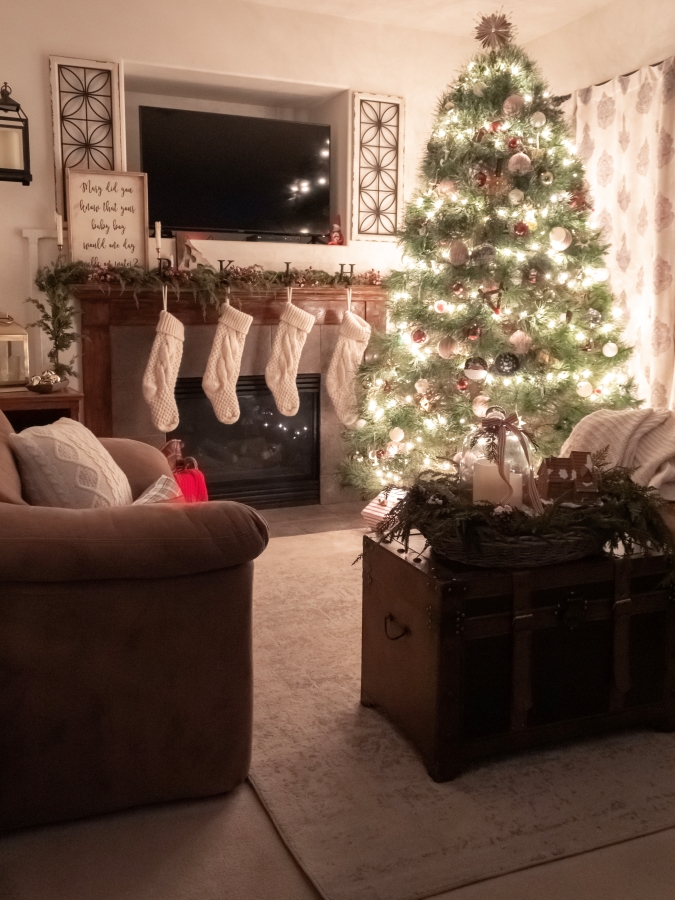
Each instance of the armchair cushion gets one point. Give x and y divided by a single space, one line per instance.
141 463
10 482
155 541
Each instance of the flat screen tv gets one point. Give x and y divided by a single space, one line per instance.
214 172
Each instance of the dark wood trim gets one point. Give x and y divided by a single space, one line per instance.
102 310
66 400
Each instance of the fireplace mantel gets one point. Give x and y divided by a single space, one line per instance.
102 310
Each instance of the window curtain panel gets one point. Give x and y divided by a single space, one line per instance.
625 133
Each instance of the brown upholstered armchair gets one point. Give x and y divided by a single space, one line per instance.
125 648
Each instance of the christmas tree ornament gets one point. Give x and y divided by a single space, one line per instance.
462 383
579 201
584 389
372 454
610 349
546 178
458 288
521 229
380 454
473 332
513 105
392 448
494 31
447 347
360 423
161 373
341 377
480 178
506 364
418 336
479 135
544 358
560 238
601 275
459 253
484 253
440 306
446 188
480 405
497 185
282 369
396 435
517 278
521 342
478 88
371 356
588 346
448 105
222 369
475 368
594 316
538 119
496 126
422 385
514 144
533 276
519 164
516 197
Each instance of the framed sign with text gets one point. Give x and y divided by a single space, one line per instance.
107 217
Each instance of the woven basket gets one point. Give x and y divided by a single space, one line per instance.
524 551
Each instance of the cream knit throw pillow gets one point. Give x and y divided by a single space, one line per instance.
65 465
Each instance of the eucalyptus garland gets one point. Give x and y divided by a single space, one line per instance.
624 513
204 282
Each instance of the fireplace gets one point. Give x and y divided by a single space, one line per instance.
264 459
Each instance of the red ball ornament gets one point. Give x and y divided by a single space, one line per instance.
513 143
462 383
521 229
418 336
458 288
496 126
480 179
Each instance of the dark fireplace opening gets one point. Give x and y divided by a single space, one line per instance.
264 459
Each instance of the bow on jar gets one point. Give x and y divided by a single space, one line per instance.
502 425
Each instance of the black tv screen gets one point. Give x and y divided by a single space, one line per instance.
213 172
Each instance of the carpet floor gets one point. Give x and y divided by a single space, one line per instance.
350 796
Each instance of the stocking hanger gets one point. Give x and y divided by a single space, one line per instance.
165 296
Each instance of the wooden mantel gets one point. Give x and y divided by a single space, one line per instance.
102 310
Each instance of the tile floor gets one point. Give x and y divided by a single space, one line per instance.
313 519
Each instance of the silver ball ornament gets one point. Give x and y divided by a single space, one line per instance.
610 349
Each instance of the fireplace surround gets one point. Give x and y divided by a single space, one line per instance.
118 330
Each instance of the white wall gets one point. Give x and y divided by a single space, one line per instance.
616 39
206 35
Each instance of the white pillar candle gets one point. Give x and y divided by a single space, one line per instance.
516 481
59 229
488 484
14 368
11 148
158 237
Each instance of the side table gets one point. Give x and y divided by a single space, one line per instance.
26 408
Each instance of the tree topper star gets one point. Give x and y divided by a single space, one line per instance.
494 32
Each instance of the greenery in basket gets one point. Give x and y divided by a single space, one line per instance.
625 512
206 284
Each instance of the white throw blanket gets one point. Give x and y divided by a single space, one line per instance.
643 439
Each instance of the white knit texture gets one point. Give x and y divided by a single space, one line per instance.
65 465
351 345
159 381
282 368
643 439
222 369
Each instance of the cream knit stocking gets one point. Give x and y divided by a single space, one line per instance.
161 372
351 345
222 369
282 368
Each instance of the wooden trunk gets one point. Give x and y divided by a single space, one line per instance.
470 662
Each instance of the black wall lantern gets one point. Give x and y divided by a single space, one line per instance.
14 151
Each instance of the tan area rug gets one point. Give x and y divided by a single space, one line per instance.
350 796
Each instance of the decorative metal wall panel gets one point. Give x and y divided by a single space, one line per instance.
377 152
86 117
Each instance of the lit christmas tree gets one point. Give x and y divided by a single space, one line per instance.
503 299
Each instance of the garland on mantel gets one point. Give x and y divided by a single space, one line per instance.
204 282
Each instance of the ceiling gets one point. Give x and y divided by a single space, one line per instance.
532 18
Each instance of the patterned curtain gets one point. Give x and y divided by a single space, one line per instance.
625 133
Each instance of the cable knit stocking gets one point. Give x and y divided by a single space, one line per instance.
282 368
351 345
222 369
161 372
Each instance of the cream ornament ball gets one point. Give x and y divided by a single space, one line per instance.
584 389
396 435
447 347
610 349
513 105
479 88
561 238
446 188
361 423
521 342
516 197
538 119
422 386
519 164
459 253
